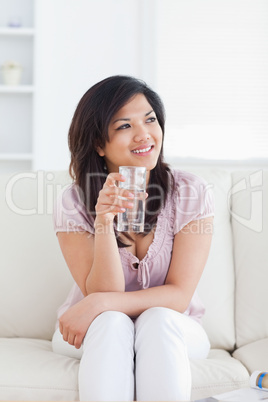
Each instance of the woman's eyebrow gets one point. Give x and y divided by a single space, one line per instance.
126 119
120 119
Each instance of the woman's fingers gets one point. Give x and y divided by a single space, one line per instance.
112 178
78 341
116 191
123 200
68 336
113 199
65 335
71 338
115 205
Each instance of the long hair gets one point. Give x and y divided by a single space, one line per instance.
89 130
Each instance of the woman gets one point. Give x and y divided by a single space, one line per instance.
133 316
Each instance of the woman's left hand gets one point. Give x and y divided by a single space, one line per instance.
74 323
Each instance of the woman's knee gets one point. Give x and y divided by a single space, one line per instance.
164 323
113 319
158 317
111 323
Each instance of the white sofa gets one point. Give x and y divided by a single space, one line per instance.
34 281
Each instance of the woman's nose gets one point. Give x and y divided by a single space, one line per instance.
141 134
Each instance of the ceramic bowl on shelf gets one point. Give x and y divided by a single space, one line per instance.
11 73
14 22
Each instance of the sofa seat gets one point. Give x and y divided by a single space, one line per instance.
29 370
254 356
219 373
29 367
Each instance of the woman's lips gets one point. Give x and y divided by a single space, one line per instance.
143 150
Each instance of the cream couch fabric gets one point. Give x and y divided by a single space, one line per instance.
34 281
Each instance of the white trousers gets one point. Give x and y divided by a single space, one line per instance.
147 359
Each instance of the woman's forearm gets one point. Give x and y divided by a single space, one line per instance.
106 274
75 322
136 302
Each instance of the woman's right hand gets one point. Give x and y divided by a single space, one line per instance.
110 202
74 323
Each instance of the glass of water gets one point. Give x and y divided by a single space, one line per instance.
132 220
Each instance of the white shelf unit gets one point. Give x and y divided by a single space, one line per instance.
16 102
16 157
17 31
19 89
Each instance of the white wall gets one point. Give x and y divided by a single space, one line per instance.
207 59
78 43
212 59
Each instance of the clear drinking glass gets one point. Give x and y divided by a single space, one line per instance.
132 220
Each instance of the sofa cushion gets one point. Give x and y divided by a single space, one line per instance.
249 201
33 276
29 370
254 356
217 374
216 287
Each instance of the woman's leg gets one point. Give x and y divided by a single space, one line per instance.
106 370
165 340
61 347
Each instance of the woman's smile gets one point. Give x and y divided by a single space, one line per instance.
143 150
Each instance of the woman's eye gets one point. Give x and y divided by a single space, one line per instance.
151 120
123 127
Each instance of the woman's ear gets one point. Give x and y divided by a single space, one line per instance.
100 151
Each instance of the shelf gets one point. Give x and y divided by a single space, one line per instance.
17 44
16 89
8 31
16 157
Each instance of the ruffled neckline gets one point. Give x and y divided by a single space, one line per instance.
143 275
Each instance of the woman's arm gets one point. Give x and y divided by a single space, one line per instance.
190 252
94 260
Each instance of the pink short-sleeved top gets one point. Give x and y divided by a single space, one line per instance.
192 200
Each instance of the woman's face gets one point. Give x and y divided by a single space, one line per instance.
135 136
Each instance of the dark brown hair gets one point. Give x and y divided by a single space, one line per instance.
89 130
